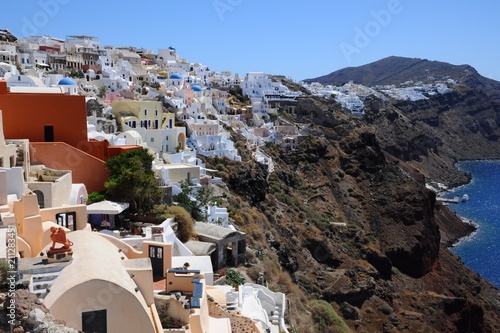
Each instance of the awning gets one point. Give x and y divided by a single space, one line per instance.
107 207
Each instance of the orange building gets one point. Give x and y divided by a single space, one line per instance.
56 126
44 117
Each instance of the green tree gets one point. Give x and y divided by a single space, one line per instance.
204 197
194 203
76 73
183 199
102 91
19 68
132 180
95 197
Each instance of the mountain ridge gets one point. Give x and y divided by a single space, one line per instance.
369 172
397 70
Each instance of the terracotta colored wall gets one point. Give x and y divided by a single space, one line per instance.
96 148
26 114
85 168
117 150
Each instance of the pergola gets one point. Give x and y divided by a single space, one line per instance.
222 237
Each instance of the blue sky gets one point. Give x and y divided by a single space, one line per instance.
299 39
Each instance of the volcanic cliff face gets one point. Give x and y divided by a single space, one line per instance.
357 228
346 218
433 133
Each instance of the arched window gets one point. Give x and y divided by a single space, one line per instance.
40 198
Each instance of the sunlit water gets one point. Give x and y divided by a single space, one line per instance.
481 251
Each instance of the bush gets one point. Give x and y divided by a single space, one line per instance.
184 222
4 268
95 197
233 278
326 319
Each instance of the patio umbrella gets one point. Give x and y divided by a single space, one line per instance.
109 208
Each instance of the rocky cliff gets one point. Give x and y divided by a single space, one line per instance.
356 227
346 218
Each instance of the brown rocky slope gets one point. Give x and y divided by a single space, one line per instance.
348 218
385 268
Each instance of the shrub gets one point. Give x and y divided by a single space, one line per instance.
234 278
184 222
168 322
253 272
326 319
4 268
95 197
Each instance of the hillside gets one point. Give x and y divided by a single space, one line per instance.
345 225
346 218
340 222
397 70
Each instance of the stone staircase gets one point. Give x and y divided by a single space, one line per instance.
41 283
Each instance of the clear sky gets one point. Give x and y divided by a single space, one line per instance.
299 39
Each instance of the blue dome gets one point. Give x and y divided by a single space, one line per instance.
209 88
67 82
171 48
176 76
197 88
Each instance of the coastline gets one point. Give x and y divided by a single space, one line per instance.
452 227
480 214
474 231
470 227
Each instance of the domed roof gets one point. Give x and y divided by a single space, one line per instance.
171 48
67 81
209 88
176 76
197 88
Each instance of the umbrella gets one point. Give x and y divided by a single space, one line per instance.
107 207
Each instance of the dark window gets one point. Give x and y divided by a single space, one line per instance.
94 322
67 220
48 132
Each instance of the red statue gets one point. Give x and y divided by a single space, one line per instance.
59 236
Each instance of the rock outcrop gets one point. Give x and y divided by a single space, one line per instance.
349 217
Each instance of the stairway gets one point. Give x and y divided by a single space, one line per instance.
41 284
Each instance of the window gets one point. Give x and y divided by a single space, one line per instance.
94 321
49 133
152 139
145 112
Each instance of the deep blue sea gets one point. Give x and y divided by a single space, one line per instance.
481 250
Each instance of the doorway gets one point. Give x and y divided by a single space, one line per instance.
156 257
48 133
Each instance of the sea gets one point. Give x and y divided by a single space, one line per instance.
481 250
